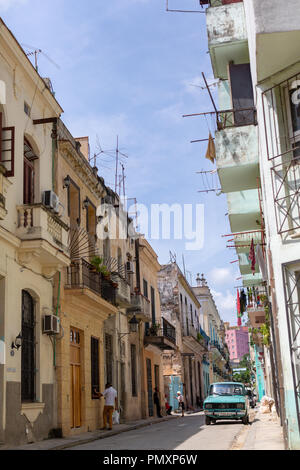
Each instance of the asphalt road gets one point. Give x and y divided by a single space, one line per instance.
188 433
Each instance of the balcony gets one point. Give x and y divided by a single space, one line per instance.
82 277
193 338
163 336
216 347
257 316
276 35
141 307
123 294
237 152
43 235
227 35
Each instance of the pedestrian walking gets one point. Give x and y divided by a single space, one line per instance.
111 404
157 402
181 403
168 407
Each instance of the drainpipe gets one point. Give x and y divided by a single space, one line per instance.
57 314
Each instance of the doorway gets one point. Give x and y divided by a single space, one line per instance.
75 381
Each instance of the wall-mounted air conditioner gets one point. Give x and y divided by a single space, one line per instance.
51 325
51 200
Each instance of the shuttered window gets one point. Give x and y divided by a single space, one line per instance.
7 148
95 373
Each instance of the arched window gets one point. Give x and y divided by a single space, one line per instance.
28 348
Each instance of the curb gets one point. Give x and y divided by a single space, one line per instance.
111 434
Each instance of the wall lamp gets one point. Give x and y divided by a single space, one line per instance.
67 182
133 327
17 343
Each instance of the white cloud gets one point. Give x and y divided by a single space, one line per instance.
7 4
221 275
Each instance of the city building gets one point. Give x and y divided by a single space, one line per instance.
254 56
237 340
185 367
33 247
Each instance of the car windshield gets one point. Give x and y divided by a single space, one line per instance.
226 389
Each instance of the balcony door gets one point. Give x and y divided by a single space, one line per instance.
29 174
242 94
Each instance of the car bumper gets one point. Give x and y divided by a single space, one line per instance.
225 414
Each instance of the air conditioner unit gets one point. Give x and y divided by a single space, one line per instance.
130 267
51 325
51 200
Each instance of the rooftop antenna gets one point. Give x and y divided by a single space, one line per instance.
173 257
118 158
35 52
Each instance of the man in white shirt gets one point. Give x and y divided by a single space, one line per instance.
111 404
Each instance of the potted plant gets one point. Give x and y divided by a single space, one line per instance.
99 267
154 329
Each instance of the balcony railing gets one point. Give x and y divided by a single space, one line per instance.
141 307
161 335
81 274
123 291
231 117
36 221
218 3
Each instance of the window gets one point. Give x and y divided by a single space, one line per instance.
133 371
145 286
29 173
7 148
95 374
153 305
74 204
28 349
109 358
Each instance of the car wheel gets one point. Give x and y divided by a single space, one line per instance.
207 421
245 420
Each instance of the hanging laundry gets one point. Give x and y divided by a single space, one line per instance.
243 302
252 257
239 309
211 149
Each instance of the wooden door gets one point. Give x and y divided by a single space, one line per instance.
150 388
75 379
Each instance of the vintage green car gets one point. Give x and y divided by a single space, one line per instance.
227 400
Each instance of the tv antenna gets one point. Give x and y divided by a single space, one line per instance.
36 52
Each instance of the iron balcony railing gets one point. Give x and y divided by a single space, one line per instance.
218 3
231 117
165 330
82 274
204 336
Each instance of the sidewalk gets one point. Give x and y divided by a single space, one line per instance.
264 433
72 441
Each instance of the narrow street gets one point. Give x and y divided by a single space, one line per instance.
190 433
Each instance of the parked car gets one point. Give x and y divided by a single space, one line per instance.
227 400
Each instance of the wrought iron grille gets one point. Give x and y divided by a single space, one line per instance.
281 112
291 276
286 188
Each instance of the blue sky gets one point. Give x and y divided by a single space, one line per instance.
127 68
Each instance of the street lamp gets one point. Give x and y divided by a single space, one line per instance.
17 343
133 327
